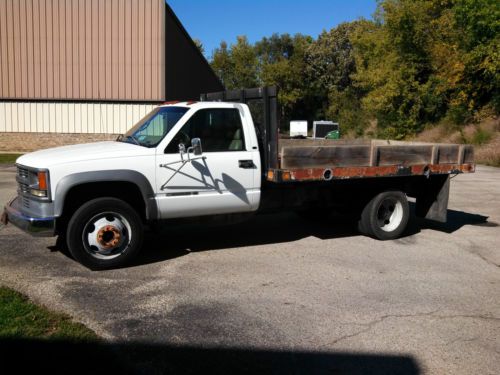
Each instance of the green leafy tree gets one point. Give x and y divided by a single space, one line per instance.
330 63
479 24
417 62
245 64
223 65
282 63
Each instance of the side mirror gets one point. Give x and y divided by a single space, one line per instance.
196 146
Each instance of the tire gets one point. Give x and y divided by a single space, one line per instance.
105 233
385 217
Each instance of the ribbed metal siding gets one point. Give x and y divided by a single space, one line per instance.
53 117
82 49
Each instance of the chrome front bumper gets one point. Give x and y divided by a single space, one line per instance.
36 226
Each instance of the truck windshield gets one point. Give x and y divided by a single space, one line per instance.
149 131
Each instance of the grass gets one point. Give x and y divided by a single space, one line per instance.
8 158
20 318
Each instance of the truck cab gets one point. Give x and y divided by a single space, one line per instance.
182 160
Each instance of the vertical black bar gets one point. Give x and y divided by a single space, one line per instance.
267 131
273 132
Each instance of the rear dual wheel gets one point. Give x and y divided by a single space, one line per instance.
104 233
386 215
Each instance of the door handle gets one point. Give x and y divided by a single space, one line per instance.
246 164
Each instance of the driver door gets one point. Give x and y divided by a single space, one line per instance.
220 180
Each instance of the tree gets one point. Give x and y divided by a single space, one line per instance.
282 63
199 44
330 63
223 65
479 38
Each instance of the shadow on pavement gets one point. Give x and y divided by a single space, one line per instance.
173 240
456 220
178 240
57 357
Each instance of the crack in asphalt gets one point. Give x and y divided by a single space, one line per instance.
373 323
471 250
462 339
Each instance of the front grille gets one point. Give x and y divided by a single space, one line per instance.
22 173
24 188
26 202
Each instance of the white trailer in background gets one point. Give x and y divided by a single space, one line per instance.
298 129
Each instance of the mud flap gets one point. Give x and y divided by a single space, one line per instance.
432 202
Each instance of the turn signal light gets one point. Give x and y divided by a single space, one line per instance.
42 180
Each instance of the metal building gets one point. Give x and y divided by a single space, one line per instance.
92 66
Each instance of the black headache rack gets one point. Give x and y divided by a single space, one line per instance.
263 104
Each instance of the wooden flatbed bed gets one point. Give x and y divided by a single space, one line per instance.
321 174
326 160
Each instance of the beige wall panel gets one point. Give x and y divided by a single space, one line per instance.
82 53
35 84
10 48
161 49
46 116
102 49
110 50
121 43
88 48
56 57
115 48
75 29
50 48
140 55
17 47
62 49
23 50
94 45
108 20
134 48
148 84
128 48
155 48
4 66
42 41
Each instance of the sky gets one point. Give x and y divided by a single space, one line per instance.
212 21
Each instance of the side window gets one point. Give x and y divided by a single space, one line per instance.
220 130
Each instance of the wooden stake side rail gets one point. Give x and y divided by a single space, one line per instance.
324 161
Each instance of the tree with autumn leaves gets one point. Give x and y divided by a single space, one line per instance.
417 62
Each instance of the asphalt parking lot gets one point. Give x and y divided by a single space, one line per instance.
427 303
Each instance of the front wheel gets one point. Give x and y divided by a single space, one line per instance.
385 217
104 233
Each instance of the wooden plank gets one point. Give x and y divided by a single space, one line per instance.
290 142
435 154
460 158
374 154
300 157
468 154
404 155
447 154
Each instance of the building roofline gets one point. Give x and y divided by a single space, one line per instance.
193 45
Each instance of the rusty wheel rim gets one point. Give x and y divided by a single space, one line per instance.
107 235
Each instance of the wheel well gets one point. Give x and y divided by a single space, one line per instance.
78 195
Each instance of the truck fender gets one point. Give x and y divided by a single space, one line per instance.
122 175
